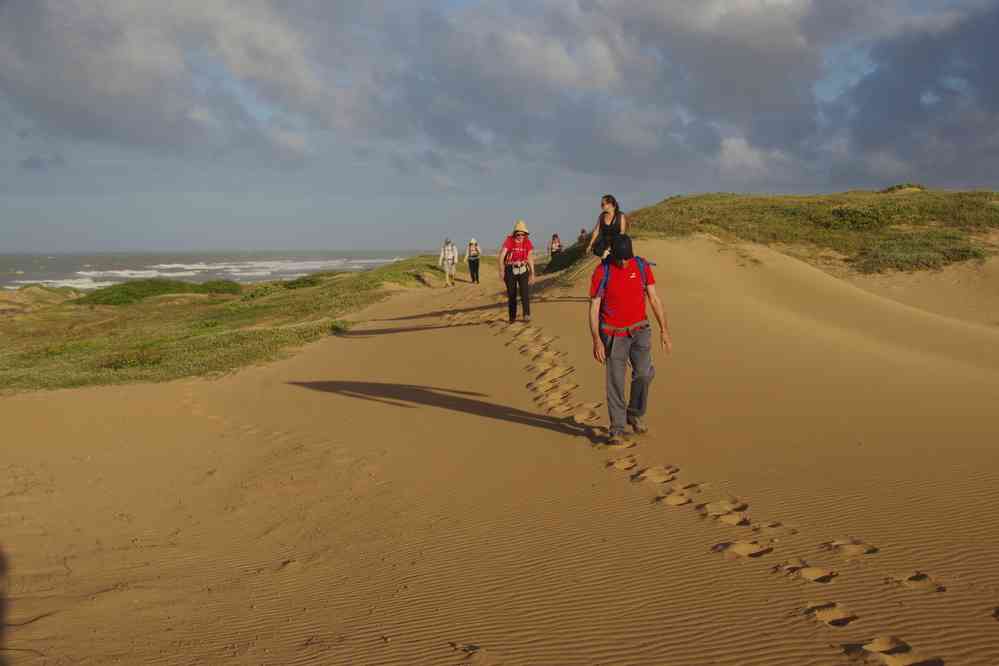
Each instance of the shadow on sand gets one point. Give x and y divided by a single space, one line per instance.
374 332
499 307
3 607
409 396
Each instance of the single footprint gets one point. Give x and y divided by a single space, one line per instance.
849 547
801 569
656 474
679 494
675 498
591 418
553 386
553 398
890 651
774 528
830 613
742 548
467 648
624 463
917 580
721 507
734 518
728 511
557 372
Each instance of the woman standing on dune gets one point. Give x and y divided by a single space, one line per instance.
516 269
472 254
610 223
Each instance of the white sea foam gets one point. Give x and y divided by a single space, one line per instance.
75 283
230 268
135 274
273 267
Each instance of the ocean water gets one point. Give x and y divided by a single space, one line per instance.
92 271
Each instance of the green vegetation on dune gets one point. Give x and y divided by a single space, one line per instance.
142 332
905 227
137 290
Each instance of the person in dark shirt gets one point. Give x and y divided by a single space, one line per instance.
610 223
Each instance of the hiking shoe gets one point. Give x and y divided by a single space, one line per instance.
616 439
638 425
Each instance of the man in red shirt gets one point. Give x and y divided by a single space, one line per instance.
622 334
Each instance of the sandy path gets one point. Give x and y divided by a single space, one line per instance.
398 496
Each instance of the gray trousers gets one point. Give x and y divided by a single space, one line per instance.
635 349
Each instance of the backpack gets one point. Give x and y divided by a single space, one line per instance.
642 264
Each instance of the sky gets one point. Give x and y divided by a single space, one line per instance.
367 124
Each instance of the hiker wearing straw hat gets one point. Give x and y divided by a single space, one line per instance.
472 254
516 269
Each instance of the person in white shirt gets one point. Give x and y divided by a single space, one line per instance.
448 260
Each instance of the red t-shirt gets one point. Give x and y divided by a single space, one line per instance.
516 253
623 302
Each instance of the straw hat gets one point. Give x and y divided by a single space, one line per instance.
473 242
521 226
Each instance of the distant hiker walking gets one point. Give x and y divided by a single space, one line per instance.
554 246
516 269
610 223
622 334
472 254
448 261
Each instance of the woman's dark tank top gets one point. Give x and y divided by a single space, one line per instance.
609 231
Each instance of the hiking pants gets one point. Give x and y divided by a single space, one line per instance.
513 283
636 349
473 270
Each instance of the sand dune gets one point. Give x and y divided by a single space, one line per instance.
818 488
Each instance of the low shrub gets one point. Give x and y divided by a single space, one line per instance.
137 290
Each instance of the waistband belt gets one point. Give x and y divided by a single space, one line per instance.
624 329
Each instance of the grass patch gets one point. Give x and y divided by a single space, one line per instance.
124 335
304 281
134 291
908 251
913 229
901 187
339 326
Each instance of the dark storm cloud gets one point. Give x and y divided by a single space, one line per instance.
930 107
714 92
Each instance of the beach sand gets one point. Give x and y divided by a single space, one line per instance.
821 471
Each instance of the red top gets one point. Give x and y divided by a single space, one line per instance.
516 253
623 301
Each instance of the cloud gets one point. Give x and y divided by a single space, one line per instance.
929 108
695 94
128 73
42 162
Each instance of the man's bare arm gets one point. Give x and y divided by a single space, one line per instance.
660 312
599 353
